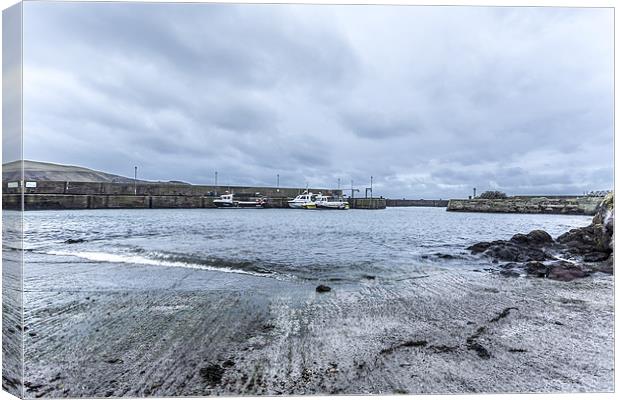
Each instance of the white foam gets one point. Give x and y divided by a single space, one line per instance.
141 260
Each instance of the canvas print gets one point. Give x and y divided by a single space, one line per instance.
206 199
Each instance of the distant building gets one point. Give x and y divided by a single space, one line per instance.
599 193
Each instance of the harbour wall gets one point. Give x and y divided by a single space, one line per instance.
115 201
416 203
367 203
576 205
154 189
59 195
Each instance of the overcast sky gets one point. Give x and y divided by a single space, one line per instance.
431 101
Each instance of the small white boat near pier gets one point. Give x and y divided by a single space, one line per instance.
331 203
306 200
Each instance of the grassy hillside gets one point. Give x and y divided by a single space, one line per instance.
43 171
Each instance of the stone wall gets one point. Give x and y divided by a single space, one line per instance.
96 201
58 195
83 202
529 205
156 189
367 204
416 203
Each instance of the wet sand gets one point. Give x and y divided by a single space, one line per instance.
155 331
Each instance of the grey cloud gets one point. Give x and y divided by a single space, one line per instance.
429 100
376 125
11 84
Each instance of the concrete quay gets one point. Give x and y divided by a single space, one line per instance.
60 195
154 189
416 203
576 205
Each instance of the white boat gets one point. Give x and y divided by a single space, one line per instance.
331 203
228 201
304 200
225 200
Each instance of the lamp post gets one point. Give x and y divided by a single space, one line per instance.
215 178
474 193
278 183
371 187
135 180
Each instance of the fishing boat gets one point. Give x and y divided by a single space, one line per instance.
331 203
304 200
228 201
225 201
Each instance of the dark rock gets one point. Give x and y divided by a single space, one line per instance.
472 344
480 350
415 343
33 386
323 289
511 265
594 243
532 252
589 239
517 350
509 273
445 256
520 248
114 361
510 270
212 374
74 241
409 343
388 350
537 269
228 364
519 238
565 271
535 237
479 247
607 266
508 251
596 256
442 348
505 312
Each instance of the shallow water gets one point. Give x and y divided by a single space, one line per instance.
280 243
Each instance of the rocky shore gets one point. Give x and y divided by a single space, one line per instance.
580 205
575 254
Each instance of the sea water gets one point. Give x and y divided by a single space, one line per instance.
282 244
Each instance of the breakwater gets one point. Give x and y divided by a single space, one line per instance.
367 204
416 203
60 195
577 205
152 189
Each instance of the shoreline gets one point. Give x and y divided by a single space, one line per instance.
213 333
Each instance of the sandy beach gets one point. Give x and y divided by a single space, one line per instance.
155 331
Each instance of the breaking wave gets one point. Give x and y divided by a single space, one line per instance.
167 260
